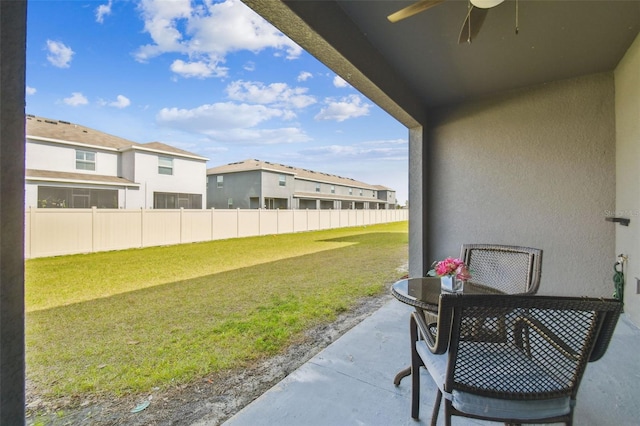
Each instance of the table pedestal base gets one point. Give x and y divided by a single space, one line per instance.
401 375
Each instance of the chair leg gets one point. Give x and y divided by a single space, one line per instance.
447 413
415 371
415 393
436 409
569 421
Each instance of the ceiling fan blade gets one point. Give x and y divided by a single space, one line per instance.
472 24
486 4
413 9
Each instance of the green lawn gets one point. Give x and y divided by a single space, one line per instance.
128 321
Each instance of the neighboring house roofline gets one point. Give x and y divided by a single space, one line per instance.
298 173
129 148
79 178
64 132
261 169
337 197
71 132
167 152
71 143
355 184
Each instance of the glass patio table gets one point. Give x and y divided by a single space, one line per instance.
423 294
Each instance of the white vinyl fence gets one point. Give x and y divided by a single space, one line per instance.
54 232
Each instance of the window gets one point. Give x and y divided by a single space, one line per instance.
283 180
333 189
219 181
317 187
165 165
76 198
171 200
361 192
350 191
85 160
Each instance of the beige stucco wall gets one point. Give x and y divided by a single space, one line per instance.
533 167
627 84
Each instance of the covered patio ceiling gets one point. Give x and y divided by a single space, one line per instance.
416 64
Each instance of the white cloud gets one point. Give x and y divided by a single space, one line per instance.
224 115
395 149
59 55
304 76
160 21
231 122
197 69
102 11
339 82
208 32
343 109
30 90
249 66
76 99
282 135
231 26
390 142
276 94
120 102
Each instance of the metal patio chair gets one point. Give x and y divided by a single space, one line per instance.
532 376
509 269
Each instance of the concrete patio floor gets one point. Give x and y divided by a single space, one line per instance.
351 382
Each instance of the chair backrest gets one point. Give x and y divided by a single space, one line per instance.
510 269
547 344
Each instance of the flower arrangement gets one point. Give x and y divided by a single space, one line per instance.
450 267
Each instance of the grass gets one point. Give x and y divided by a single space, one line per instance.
125 322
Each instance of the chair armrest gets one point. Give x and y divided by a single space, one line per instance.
606 333
437 343
526 324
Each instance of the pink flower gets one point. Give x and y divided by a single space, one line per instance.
462 273
451 266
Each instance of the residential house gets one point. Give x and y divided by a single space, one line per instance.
72 166
253 184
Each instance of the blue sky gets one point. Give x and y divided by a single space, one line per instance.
210 77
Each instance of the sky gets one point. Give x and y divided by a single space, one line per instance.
210 77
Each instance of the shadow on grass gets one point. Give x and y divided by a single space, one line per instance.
176 332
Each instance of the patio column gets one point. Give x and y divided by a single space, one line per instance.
13 28
419 262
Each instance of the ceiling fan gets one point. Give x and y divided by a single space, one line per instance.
476 12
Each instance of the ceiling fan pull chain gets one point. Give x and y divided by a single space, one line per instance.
517 25
469 6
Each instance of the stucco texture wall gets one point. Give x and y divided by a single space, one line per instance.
535 168
627 84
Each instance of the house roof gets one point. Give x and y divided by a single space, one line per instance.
331 197
64 131
414 65
383 188
299 173
48 175
159 146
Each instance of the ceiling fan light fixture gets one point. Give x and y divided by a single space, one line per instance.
485 4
